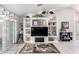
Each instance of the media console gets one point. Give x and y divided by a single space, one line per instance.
39 29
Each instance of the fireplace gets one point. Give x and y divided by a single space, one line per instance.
39 39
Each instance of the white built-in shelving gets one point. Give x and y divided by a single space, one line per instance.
51 23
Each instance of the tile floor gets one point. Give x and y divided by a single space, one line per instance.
68 47
14 49
63 47
0 48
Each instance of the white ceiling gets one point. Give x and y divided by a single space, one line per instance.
21 9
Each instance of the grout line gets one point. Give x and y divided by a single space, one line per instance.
20 49
57 47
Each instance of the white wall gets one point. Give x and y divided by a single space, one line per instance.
77 26
77 16
66 14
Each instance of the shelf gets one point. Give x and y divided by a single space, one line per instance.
39 26
52 36
51 25
27 28
52 21
27 34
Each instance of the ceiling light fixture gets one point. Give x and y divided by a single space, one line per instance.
39 4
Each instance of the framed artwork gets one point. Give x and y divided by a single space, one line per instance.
64 25
52 23
27 24
28 31
38 22
52 31
27 38
53 18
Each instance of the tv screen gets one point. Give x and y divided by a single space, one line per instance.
39 31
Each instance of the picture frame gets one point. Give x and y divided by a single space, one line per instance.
52 31
38 22
28 31
65 25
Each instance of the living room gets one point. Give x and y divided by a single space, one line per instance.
39 28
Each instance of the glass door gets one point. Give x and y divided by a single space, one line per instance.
7 34
4 35
14 32
10 33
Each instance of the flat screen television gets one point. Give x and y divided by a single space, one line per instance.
39 31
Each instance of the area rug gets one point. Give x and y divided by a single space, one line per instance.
39 48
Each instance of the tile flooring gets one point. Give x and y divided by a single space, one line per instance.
14 49
0 48
71 47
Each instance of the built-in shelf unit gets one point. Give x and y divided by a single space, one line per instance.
50 23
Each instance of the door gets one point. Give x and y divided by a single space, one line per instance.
7 33
14 32
10 32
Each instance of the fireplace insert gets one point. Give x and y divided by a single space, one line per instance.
39 39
